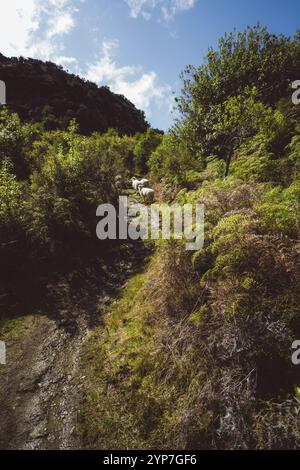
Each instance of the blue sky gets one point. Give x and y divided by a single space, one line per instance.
137 47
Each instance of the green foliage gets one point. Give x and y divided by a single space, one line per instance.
172 161
253 161
145 145
51 183
15 141
241 117
279 210
215 105
229 247
215 168
196 317
202 260
293 160
10 195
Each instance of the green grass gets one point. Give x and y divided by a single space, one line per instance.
112 352
136 386
11 329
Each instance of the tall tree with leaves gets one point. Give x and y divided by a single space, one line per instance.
241 117
253 58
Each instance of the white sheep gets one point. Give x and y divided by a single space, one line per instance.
136 183
146 193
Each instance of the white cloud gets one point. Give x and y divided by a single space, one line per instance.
137 6
140 87
67 61
37 28
167 8
18 20
34 28
60 25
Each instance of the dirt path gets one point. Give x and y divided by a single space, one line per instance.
40 385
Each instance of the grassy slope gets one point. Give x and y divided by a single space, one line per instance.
138 382
187 356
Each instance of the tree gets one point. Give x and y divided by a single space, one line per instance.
241 117
254 58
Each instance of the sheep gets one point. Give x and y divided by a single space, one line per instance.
135 183
146 193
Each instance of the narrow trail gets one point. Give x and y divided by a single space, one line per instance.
40 385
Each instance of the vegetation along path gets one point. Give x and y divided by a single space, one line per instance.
40 387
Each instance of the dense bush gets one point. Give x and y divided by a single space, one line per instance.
51 183
200 345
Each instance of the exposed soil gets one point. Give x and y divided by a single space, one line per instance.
40 385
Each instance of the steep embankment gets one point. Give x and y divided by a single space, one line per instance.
196 353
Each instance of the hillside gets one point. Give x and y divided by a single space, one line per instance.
155 346
44 92
197 351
